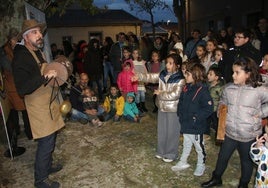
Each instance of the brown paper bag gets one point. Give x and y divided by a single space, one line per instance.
222 122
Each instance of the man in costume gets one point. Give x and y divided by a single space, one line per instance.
44 115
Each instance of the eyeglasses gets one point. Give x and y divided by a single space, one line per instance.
239 37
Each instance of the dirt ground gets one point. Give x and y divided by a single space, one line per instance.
115 155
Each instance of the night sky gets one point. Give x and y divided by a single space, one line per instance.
159 15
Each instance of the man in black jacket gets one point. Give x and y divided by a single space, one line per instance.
262 34
116 54
242 48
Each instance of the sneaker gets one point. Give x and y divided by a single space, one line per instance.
167 160
99 123
180 166
83 121
158 157
55 168
47 183
200 169
94 121
206 137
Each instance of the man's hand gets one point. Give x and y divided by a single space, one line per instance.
91 112
51 74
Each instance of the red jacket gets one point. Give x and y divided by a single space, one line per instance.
124 81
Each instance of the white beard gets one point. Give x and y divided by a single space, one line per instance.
39 45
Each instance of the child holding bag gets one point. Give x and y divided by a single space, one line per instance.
246 101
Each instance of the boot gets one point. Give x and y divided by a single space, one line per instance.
212 182
14 117
143 107
16 151
27 127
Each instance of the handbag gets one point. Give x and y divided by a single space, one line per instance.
222 122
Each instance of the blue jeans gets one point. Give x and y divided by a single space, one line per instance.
108 70
140 96
43 157
111 115
100 110
129 118
77 115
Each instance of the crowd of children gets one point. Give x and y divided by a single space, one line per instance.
187 94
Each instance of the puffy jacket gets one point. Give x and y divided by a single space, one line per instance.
170 87
194 108
246 106
124 81
119 104
131 108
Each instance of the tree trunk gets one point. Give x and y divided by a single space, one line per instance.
179 10
13 17
153 25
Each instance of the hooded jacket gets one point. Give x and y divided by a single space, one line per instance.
119 103
124 81
131 108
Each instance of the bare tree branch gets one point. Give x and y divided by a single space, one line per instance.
147 6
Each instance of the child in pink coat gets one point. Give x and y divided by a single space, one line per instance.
124 80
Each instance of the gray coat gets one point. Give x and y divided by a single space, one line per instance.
246 106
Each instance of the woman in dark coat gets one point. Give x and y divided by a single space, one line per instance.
93 65
107 65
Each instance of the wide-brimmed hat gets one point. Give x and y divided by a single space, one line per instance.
30 24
